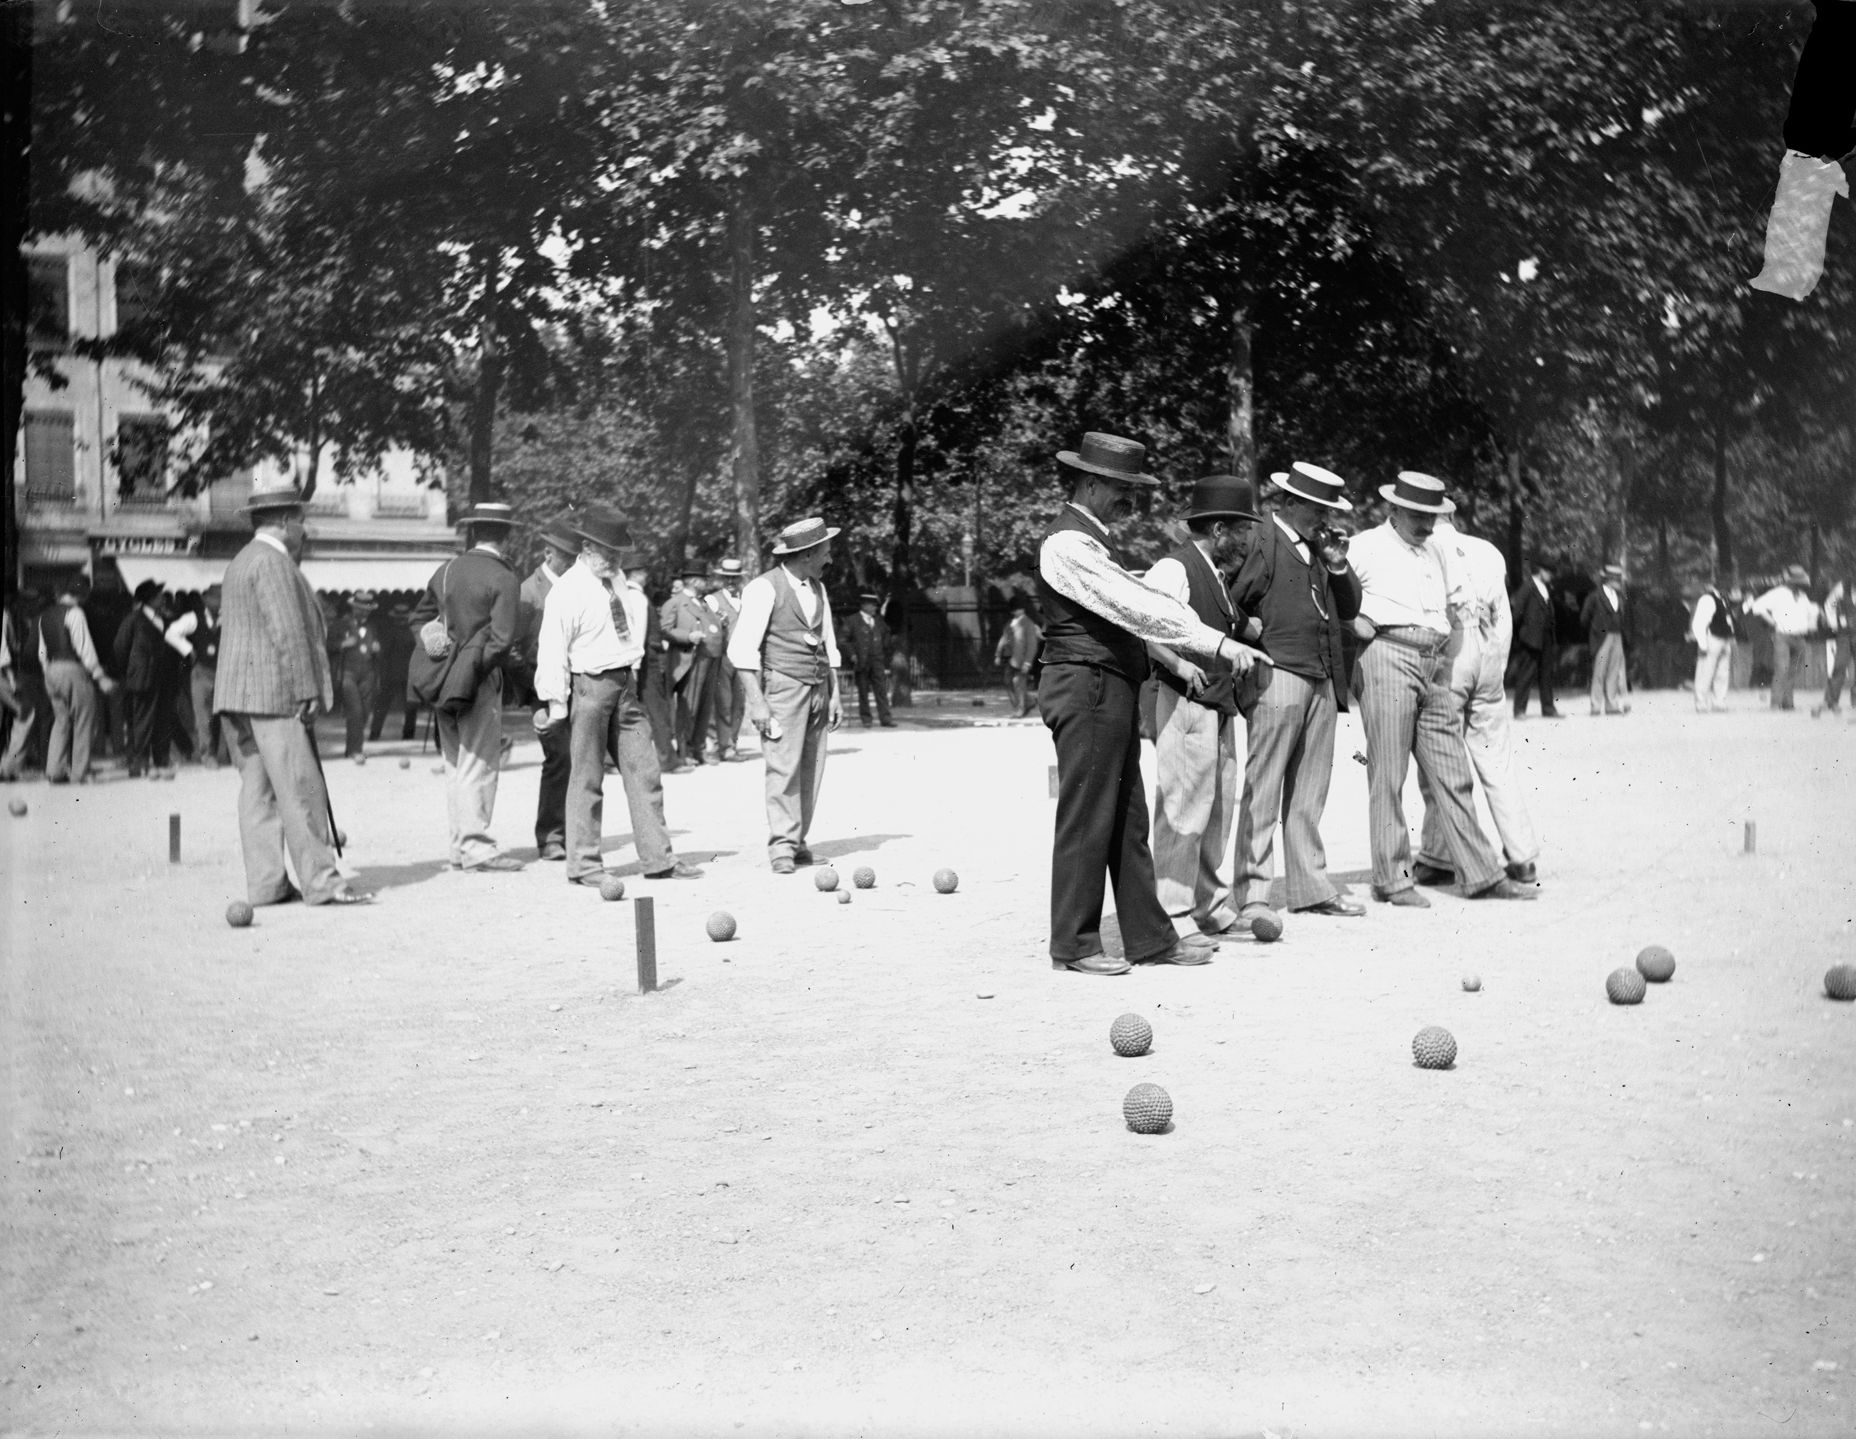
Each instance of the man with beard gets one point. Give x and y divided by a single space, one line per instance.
1195 739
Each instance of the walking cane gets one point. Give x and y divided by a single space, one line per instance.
328 804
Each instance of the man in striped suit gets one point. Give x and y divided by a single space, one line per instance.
273 680
1411 603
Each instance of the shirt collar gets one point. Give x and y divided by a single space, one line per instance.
1416 549
1095 523
796 579
274 543
1289 530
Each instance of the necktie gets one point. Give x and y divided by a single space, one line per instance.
619 622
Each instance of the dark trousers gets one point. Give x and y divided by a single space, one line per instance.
727 706
654 695
695 694
359 691
873 676
151 724
1101 815
1527 668
557 764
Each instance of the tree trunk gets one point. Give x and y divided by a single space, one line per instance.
489 381
312 465
686 507
1725 572
902 518
1517 517
741 326
1240 395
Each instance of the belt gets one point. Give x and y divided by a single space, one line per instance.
1413 637
602 674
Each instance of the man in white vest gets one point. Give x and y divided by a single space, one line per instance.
786 653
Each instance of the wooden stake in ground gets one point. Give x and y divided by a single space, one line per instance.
1752 837
647 944
173 839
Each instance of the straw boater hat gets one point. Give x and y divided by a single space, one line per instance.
1222 497
802 535
279 497
605 528
1615 571
729 569
1311 482
870 595
1797 575
489 513
1110 455
363 600
1416 491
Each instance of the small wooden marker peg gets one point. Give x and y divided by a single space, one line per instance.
1752 837
173 839
643 913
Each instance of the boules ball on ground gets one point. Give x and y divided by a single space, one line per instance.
16 808
1472 982
721 926
1131 1035
844 896
1148 1109
611 887
864 877
1625 986
1266 929
825 877
1433 1047
405 764
946 881
1840 981
238 914
1655 963
360 759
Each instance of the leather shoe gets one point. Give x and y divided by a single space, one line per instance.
1407 898
495 864
1093 964
1422 873
1185 950
591 879
1505 889
349 896
783 865
679 870
802 855
1523 873
1339 907
553 853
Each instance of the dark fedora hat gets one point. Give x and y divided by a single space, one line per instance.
491 512
1311 482
278 497
1417 491
559 532
1222 497
148 591
605 528
802 535
1109 455
693 570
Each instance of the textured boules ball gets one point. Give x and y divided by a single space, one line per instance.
360 759
1131 1035
1840 981
611 887
405 764
16 807
1433 1047
1148 1109
1472 982
946 881
721 926
825 877
238 914
864 877
1655 963
844 896
1266 928
1625 986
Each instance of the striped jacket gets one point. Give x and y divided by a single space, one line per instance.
272 649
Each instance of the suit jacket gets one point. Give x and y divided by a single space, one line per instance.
868 644
139 652
1600 618
687 623
529 602
272 651
1272 553
479 597
1533 617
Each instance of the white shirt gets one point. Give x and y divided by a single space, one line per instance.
1703 617
1541 585
1403 584
78 629
1484 579
757 613
1786 610
1078 566
577 633
1301 545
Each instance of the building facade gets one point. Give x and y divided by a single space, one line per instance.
94 483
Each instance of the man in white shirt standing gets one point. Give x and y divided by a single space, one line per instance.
1787 607
1481 709
586 672
1711 626
73 676
1408 609
786 652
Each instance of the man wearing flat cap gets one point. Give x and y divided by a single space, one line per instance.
476 596
1195 740
593 627
1412 611
273 681
149 672
560 547
1298 589
1099 620
786 651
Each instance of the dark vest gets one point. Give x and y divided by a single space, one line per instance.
795 646
57 638
1211 602
206 643
1720 623
1076 636
1295 632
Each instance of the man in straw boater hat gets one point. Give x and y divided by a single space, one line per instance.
1195 739
1788 608
730 701
1412 602
1299 590
786 652
593 627
1098 621
1604 616
272 681
560 547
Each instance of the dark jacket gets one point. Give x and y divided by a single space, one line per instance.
690 626
1269 585
1600 618
866 646
478 594
1533 617
141 653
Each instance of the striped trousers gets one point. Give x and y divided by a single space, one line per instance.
1406 710
1482 711
1288 764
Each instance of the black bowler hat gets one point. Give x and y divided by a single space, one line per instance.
147 592
1222 497
1109 455
605 528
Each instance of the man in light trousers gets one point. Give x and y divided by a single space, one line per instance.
1711 626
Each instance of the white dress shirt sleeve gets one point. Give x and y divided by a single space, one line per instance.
553 682
751 625
1169 577
1698 622
178 634
79 630
1078 567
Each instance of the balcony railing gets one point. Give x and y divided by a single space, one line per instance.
400 507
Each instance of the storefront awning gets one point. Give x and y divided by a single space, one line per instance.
351 572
